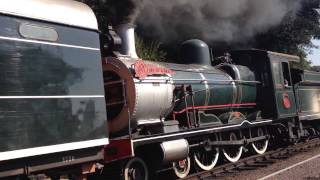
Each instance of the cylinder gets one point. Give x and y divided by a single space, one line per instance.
174 150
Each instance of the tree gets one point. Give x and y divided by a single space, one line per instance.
149 50
294 34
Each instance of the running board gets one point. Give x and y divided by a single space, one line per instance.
197 132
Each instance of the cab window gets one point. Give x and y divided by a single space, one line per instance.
277 73
286 74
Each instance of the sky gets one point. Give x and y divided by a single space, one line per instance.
314 57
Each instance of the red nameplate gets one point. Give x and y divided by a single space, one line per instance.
142 69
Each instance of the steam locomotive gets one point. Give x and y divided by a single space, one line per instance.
68 109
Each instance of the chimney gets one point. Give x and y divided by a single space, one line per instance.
128 46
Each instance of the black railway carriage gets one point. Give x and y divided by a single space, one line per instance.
52 105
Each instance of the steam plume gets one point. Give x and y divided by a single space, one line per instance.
211 20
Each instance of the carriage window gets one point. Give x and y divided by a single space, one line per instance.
286 74
33 31
277 73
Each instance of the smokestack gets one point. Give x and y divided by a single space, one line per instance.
128 46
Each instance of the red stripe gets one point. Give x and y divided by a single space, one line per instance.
215 106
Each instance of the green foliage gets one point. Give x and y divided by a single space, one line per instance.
295 33
149 50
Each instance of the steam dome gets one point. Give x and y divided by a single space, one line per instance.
195 51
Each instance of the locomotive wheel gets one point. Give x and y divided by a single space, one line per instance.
260 147
182 168
206 157
206 160
136 169
232 154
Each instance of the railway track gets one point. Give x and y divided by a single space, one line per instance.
256 161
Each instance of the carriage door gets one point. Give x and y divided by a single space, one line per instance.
285 100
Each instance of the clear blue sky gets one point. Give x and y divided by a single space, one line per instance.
315 56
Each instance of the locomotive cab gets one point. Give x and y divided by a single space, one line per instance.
273 71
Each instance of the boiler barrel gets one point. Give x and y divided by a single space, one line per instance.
210 88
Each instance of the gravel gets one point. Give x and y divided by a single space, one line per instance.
307 171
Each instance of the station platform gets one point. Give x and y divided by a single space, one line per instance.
308 169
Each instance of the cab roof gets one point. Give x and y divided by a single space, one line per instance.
282 56
269 55
66 12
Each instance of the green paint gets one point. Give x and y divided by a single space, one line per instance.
309 99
